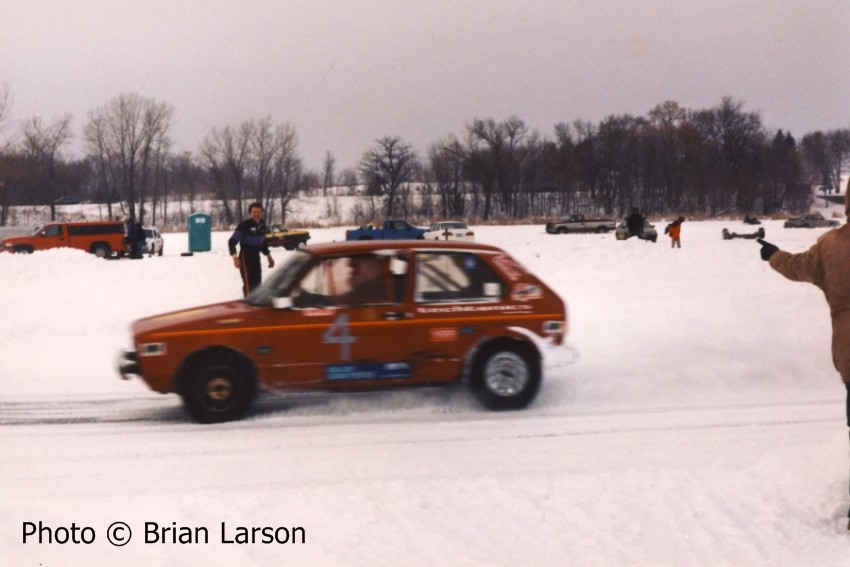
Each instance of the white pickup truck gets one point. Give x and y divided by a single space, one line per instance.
580 223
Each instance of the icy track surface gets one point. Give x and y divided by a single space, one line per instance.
701 423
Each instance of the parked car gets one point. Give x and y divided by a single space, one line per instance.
579 223
289 239
727 235
67 200
648 233
354 316
450 230
810 220
153 241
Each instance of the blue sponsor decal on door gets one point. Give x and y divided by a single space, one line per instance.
368 371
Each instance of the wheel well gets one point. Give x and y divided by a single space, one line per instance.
223 353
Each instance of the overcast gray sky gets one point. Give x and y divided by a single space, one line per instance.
347 72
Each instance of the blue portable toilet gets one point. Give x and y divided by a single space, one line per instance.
200 232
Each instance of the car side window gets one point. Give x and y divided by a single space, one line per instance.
454 277
366 279
54 230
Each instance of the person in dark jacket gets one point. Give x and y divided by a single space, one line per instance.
634 222
824 265
250 236
135 239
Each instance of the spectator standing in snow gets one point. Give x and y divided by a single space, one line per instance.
135 238
634 222
826 265
674 229
250 236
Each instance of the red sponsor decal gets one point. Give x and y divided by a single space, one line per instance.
444 334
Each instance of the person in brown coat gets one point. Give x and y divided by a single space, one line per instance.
827 265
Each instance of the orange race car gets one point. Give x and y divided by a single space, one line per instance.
360 315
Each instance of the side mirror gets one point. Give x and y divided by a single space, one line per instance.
282 302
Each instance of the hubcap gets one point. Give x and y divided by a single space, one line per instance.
219 389
506 374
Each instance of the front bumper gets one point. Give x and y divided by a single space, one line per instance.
127 364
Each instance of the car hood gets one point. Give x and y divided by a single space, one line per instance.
222 315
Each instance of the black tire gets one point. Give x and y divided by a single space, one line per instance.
23 250
161 250
218 387
506 376
561 230
101 250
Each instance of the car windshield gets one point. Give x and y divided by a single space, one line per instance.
279 280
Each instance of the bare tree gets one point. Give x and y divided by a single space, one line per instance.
277 165
129 134
41 145
5 114
328 179
389 164
838 143
227 154
445 162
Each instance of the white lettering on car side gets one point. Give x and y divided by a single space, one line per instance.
340 333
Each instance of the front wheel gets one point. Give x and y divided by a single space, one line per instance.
219 388
506 376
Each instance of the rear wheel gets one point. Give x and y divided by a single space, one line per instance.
506 376
219 387
101 250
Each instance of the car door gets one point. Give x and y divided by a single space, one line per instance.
457 300
52 236
335 337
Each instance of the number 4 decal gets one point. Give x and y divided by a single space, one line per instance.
339 333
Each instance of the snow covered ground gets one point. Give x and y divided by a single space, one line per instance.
701 423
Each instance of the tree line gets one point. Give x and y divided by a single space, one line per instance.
672 161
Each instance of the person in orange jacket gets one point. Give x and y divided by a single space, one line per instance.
674 229
824 265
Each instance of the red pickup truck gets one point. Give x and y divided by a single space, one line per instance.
103 239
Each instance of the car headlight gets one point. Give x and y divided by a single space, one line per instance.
151 349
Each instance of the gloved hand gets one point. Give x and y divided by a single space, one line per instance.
767 249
